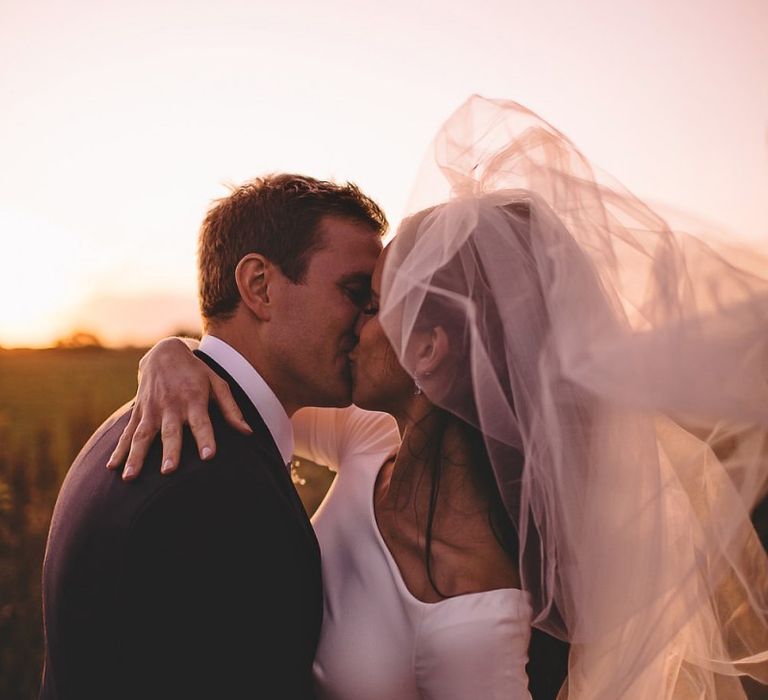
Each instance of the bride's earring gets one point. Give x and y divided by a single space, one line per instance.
419 389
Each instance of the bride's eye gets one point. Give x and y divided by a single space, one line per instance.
371 310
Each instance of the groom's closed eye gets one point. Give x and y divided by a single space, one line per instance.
358 291
359 297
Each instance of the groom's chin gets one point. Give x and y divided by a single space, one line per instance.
338 396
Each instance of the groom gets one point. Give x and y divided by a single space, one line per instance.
208 585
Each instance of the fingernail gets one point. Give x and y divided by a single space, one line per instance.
246 426
128 472
110 463
167 466
207 452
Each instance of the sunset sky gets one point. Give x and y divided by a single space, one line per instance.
121 121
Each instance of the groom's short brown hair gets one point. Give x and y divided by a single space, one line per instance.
279 217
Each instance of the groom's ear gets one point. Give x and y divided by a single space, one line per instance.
253 275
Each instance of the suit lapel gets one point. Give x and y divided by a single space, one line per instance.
263 446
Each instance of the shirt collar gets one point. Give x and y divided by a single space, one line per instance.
257 390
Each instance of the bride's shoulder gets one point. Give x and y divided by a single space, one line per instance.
333 435
372 431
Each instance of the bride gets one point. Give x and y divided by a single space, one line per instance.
580 405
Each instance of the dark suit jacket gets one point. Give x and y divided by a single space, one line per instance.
202 584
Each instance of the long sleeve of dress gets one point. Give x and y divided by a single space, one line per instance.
329 436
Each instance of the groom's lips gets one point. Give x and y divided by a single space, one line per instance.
348 349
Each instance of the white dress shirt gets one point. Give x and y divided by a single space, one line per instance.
257 390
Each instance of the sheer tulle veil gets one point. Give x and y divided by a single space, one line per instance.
619 371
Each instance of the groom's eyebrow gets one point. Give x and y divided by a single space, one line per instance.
360 278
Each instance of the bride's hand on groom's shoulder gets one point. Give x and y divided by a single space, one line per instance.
175 387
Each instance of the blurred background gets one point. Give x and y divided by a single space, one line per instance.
121 122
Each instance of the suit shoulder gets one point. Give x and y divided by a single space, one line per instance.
231 487
108 432
241 464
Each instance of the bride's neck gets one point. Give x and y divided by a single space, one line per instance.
411 414
428 436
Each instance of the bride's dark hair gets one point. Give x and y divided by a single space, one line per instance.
456 385
482 474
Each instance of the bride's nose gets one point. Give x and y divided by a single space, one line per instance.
361 320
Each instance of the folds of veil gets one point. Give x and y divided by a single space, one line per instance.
619 372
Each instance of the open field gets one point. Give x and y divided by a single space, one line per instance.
50 402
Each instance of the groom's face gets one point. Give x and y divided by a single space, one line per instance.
313 329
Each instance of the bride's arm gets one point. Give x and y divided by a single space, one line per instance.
328 436
174 388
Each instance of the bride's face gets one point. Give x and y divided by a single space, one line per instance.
379 383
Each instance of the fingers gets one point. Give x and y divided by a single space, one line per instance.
228 405
124 443
145 433
138 435
202 430
200 421
174 388
171 434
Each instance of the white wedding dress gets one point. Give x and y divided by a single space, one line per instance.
378 642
